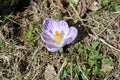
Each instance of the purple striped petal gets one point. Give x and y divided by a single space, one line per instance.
49 24
63 26
52 48
73 32
47 37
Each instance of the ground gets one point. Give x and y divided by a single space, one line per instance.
94 55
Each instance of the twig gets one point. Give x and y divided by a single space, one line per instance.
62 66
104 42
76 13
16 22
83 73
20 47
108 25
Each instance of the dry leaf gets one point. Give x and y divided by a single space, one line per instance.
106 68
83 7
89 5
94 6
50 73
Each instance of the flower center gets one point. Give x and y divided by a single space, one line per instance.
57 36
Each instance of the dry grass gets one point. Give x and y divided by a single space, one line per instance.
24 60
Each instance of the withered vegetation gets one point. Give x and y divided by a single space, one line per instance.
23 59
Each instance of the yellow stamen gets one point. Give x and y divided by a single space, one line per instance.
57 36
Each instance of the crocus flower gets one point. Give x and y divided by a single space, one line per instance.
56 34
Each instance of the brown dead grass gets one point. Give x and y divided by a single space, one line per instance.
25 60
